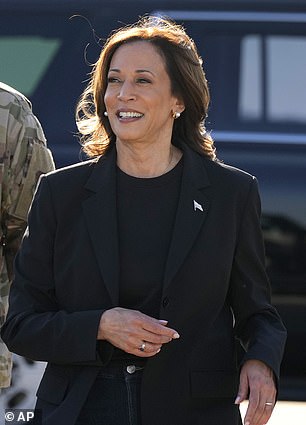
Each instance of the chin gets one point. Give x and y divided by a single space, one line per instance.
130 138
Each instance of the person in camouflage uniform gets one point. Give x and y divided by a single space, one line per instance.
23 157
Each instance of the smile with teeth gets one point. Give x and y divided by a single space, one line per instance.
129 115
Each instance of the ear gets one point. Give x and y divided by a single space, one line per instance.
179 105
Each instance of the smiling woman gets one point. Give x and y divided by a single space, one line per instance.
171 52
141 109
166 243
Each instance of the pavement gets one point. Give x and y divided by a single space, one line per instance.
26 378
285 413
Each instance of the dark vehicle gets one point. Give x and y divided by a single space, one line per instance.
254 53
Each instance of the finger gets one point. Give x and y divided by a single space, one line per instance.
144 354
147 347
267 412
119 320
252 408
157 328
259 409
266 405
125 329
148 323
266 393
136 346
156 335
154 338
243 388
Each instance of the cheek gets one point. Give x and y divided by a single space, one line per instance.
108 98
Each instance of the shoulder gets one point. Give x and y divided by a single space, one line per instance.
65 179
10 97
231 182
217 172
223 182
230 187
223 171
70 172
100 166
66 188
78 181
17 117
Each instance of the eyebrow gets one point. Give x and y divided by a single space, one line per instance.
138 71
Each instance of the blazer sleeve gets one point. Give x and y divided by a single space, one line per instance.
36 326
257 323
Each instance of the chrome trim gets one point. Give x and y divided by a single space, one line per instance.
240 136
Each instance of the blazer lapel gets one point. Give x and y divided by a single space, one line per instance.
101 218
191 213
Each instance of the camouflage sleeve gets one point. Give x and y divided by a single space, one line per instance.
23 157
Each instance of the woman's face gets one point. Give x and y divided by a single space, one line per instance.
138 96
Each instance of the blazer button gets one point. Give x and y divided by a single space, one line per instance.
165 302
131 369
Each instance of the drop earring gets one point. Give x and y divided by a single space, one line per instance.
105 114
176 115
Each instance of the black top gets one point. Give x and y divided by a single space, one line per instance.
146 209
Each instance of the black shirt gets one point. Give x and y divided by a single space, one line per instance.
146 210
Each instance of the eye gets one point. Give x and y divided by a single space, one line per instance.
143 81
113 80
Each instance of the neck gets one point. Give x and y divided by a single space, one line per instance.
146 162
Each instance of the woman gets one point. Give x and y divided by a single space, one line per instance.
142 267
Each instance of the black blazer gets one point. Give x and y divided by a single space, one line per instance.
215 292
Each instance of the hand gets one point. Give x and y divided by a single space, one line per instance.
131 330
257 380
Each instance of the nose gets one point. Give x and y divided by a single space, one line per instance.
126 92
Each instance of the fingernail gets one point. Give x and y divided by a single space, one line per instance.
175 336
163 322
158 350
238 400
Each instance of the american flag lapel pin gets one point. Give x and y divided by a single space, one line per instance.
197 206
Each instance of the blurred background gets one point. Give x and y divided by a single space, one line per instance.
254 54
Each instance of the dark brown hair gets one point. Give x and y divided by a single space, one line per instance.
188 82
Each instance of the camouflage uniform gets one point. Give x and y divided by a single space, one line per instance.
23 157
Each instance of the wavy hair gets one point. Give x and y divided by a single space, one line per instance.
187 77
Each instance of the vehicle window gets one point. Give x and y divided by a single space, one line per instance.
250 82
272 87
32 55
255 82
